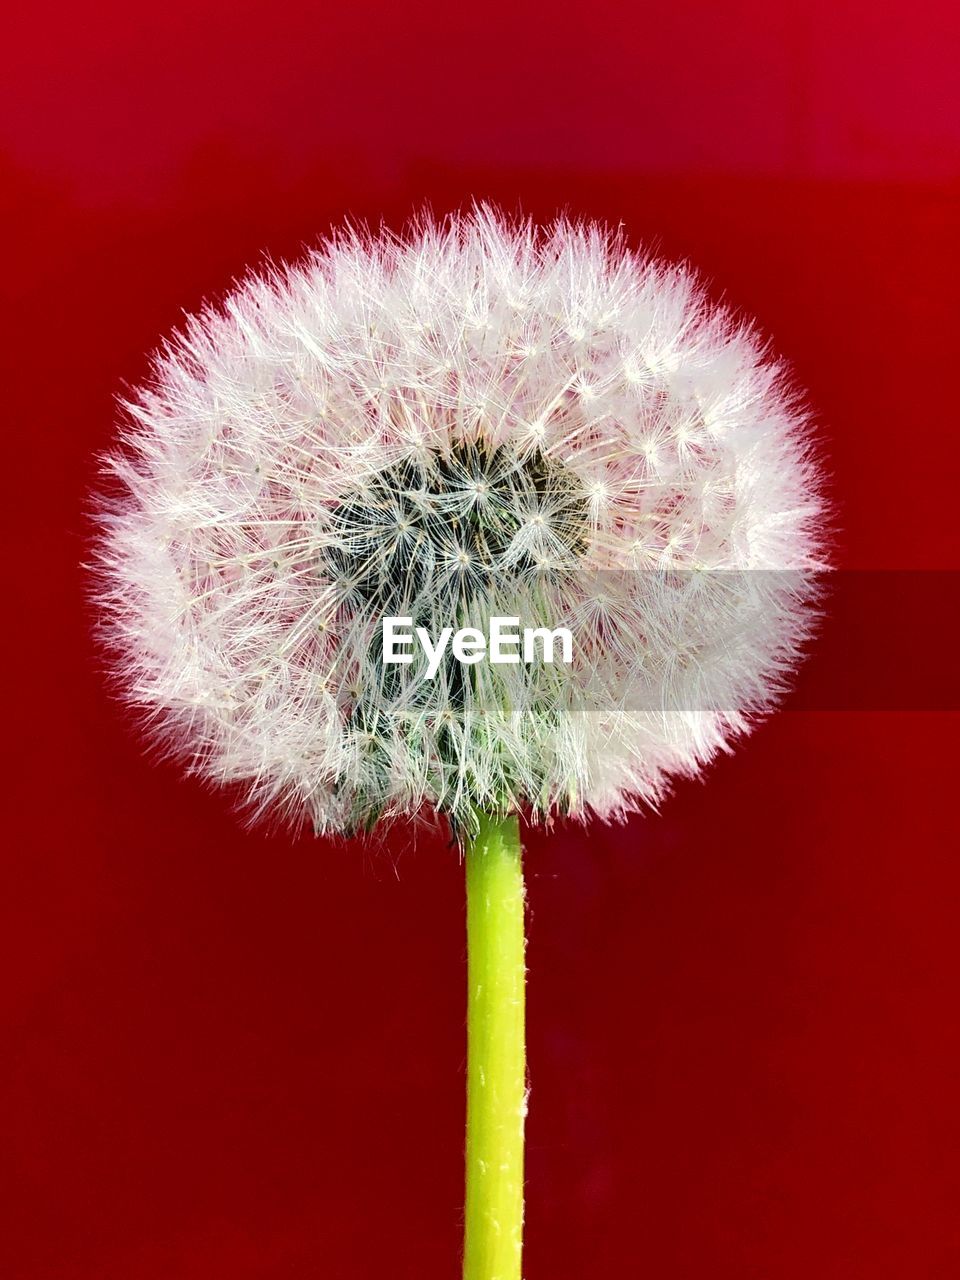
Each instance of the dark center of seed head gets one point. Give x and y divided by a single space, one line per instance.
450 528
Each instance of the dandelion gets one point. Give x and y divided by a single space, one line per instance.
476 418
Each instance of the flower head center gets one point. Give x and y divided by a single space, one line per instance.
450 525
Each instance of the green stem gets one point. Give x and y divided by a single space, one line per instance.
496 1054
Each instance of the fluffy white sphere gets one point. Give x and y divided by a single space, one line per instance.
475 418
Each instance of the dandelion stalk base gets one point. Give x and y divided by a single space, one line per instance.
496 1053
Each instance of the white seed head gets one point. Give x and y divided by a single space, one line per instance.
474 418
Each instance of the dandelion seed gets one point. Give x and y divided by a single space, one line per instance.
473 418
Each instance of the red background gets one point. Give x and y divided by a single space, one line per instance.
229 1054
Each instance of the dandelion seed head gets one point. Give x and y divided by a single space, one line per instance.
474 417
